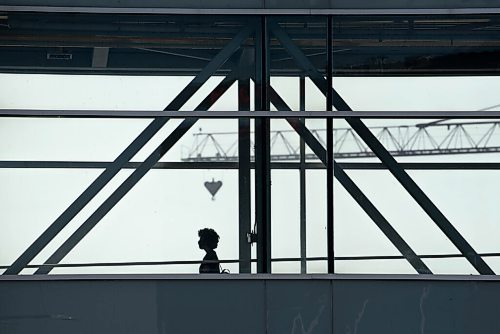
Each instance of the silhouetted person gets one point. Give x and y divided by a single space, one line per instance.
208 242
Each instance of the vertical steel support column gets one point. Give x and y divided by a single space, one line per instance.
329 150
244 191
262 152
302 181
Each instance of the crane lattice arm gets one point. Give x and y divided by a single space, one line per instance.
434 138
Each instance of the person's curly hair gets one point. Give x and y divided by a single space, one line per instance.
209 237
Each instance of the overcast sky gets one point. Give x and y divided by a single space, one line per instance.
159 219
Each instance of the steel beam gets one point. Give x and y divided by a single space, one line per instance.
244 179
262 150
302 181
329 151
306 65
210 69
485 166
259 114
338 10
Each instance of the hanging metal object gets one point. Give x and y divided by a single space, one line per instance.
213 187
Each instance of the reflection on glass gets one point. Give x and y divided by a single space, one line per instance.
415 45
297 44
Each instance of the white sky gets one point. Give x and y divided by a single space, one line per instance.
159 219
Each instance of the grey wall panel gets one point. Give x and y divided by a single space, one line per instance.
299 307
254 305
220 306
431 307
78 307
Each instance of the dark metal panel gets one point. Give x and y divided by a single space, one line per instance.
161 304
430 307
78 307
214 306
299 307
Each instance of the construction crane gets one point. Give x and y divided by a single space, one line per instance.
442 137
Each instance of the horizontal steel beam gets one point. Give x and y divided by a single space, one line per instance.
280 259
250 114
252 277
254 11
234 165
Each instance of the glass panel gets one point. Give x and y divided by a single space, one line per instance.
374 267
207 141
156 222
419 93
31 199
67 139
465 193
316 218
317 267
285 212
451 266
468 198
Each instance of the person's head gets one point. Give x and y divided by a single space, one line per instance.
208 239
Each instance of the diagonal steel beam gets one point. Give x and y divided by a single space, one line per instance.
211 67
63 220
102 180
385 157
135 177
420 197
309 69
361 199
116 196
352 188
